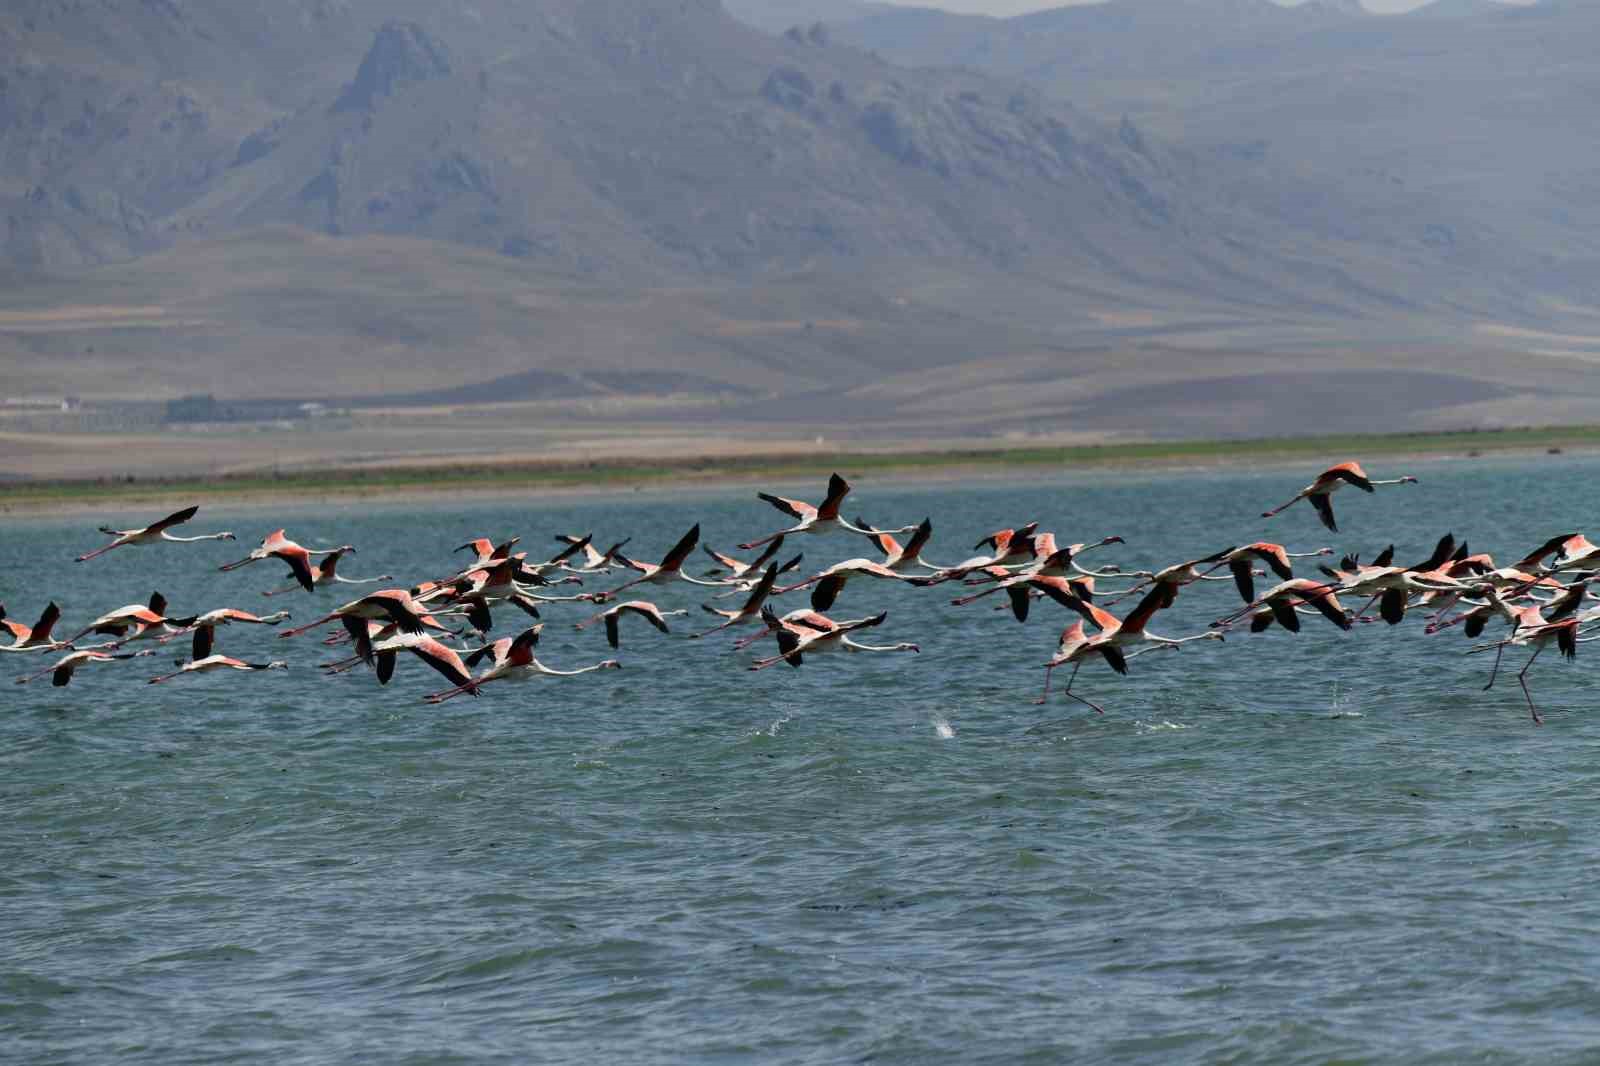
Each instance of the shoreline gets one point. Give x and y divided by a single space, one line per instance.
397 482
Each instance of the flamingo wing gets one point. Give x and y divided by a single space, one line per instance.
176 518
838 489
680 551
1324 507
794 508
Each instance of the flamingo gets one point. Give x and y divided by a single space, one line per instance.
1564 634
669 569
821 519
207 664
387 605
802 621
34 638
1283 601
62 669
1010 547
643 608
1330 481
1573 552
794 645
487 551
898 557
136 622
750 611
205 627
520 664
1130 631
277 546
1048 577
442 658
1075 647
155 531
830 582
325 573
594 560
1275 556
743 574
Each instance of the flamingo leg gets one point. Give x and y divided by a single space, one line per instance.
1073 695
1522 679
1048 670
1495 672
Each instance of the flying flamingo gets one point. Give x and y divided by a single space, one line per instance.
207 664
62 669
277 546
1075 647
669 569
325 573
1276 558
1284 600
35 638
1330 481
1564 634
595 561
1130 632
155 531
751 610
643 608
1010 547
901 558
487 551
830 582
794 645
822 519
135 622
387 605
1048 577
802 621
1573 552
743 575
519 664
205 627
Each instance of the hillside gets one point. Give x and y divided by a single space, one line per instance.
1467 116
644 212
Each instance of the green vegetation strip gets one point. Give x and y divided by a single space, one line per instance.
358 481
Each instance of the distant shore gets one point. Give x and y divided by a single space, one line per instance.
490 479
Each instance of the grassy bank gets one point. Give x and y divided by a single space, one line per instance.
363 481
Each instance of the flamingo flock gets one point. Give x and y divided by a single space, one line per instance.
447 619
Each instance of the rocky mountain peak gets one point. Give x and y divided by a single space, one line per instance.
402 54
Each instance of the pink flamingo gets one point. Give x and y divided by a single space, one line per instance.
643 608
821 519
207 664
1330 481
35 637
154 532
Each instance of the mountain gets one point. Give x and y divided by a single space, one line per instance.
1472 111
778 16
362 200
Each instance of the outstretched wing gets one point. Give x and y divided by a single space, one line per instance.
176 518
838 489
680 551
793 508
1324 507
1352 473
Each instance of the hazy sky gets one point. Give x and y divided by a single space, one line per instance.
1018 7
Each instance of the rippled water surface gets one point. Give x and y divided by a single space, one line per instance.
1282 849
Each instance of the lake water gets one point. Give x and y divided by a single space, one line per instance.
1282 849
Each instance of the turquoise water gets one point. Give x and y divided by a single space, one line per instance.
1282 849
